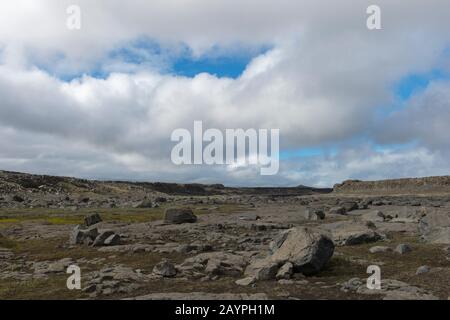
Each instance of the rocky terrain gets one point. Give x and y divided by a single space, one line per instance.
134 240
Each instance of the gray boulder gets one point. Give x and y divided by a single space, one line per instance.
337 210
435 227
262 269
347 233
165 269
314 214
423 269
101 238
373 216
112 240
380 249
306 249
178 216
92 219
403 248
80 235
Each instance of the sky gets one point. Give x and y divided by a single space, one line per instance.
101 102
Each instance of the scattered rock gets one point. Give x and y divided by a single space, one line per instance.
18 198
101 238
337 210
262 269
165 269
245 281
435 228
79 235
351 233
249 217
423 269
379 249
314 214
112 240
391 289
92 219
373 216
178 216
201 296
403 248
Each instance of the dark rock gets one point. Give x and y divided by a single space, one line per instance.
79 235
177 216
92 219
101 238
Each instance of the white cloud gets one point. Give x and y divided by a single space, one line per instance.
321 84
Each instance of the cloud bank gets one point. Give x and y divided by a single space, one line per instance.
326 82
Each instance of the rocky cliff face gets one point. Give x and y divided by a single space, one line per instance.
395 186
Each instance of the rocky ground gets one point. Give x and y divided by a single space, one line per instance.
167 241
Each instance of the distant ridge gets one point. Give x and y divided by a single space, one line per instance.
425 185
13 182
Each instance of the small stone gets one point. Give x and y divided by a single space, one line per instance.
403 248
423 269
245 281
90 288
379 249
337 210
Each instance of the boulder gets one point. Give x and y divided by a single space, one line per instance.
349 206
101 238
379 249
306 249
403 248
347 233
146 203
435 228
79 235
92 219
423 269
245 281
112 240
262 269
314 214
337 210
165 269
373 216
178 216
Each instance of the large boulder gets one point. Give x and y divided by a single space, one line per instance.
179 215
435 227
306 249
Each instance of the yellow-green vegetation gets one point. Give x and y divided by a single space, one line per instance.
10 217
53 288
